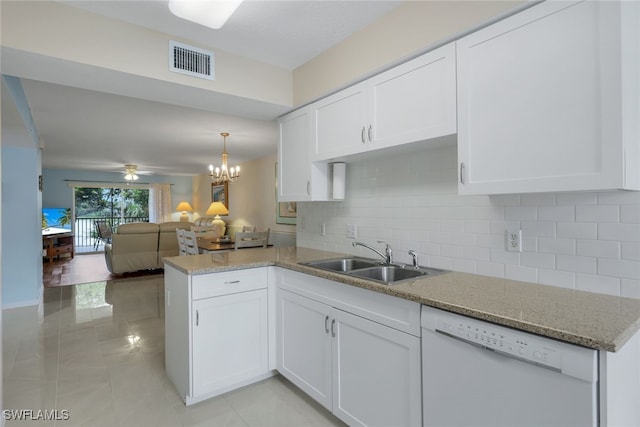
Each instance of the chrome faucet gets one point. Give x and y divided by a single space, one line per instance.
388 252
414 255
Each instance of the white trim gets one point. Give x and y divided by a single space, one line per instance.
21 304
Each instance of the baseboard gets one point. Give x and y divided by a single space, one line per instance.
20 304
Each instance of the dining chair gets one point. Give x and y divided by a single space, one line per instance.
248 228
190 242
251 239
182 248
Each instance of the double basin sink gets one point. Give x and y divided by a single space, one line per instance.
365 268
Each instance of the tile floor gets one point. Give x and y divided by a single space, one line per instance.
82 268
96 350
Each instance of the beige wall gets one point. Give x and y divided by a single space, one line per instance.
251 198
410 29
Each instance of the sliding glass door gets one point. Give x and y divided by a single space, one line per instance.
114 205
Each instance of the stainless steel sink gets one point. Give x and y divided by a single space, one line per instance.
389 274
343 265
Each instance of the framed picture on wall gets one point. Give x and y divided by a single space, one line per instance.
220 193
286 212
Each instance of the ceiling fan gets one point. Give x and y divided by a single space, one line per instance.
131 173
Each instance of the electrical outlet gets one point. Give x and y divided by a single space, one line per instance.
352 231
514 240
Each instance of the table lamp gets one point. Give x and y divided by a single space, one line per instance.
217 209
184 207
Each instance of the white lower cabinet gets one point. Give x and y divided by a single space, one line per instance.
237 325
305 345
363 371
217 331
372 373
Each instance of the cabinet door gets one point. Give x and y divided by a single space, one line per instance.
299 180
304 345
376 373
230 340
294 166
340 123
415 101
539 101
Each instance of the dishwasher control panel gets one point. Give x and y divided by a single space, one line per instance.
493 337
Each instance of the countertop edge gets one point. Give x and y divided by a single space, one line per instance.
585 340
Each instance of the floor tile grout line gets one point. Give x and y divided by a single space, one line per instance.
55 421
235 410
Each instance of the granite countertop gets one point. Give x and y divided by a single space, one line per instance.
597 321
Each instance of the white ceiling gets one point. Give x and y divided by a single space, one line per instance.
86 128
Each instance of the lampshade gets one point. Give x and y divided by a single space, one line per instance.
184 207
217 208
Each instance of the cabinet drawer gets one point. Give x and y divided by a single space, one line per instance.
57 250
228 282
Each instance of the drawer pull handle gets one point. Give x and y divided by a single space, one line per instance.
369 133
333 326
362 135
233 282
197 318
326 326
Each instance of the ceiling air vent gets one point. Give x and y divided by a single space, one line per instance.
190 60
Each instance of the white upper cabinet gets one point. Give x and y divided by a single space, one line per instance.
298 178
340 123
548 100
412 102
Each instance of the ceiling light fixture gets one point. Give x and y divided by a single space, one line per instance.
222 174
210 13
131 172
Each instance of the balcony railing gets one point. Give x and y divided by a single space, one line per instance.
86 234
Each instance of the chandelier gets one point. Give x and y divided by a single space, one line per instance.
222 174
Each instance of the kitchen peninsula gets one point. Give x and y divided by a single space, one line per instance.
605 323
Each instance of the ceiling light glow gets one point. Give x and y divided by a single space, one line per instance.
210 13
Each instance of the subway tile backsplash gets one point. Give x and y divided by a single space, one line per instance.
585 240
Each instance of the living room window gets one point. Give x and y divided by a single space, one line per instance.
114 204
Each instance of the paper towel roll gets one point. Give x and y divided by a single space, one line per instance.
339 183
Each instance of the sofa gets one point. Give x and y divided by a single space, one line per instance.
203 227
142 245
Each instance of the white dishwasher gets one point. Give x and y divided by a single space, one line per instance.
479 374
